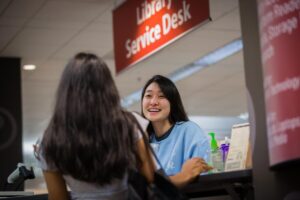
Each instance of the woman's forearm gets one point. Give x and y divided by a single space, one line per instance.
180 179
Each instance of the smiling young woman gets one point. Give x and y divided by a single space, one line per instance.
181 146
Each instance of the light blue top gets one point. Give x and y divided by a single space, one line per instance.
186 140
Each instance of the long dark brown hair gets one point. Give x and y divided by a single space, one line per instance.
90 136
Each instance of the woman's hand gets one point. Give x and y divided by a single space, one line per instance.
194 166
189 171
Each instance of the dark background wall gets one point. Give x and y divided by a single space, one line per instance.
10 117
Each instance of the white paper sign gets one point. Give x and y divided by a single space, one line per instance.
239 146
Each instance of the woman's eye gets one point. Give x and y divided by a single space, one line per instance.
161 96
147 96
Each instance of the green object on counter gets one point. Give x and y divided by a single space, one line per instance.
213 142
216 156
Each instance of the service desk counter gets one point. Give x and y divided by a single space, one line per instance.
236 184
18 195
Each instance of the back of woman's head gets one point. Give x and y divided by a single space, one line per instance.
168 88
89 136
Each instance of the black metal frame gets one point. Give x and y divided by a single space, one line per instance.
236 184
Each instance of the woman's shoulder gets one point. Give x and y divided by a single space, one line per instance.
190 129
188 124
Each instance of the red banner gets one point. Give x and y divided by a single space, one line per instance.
280 46
143 27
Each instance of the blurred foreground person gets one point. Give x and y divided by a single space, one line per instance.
90 142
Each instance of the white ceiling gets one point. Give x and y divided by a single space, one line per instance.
48 32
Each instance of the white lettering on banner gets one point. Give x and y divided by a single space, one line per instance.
144 40
176 19
286 8
278 130
266 19
149 9
289 84
287 21
279 140
268 53
283 27
152 34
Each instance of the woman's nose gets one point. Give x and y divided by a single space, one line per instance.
154 101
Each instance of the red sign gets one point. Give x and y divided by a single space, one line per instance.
280 47
143 27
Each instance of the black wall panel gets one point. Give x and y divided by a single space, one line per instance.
10 117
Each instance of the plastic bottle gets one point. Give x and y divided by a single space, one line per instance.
216 155
225 148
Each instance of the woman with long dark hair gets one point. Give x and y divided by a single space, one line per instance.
180 145
90 142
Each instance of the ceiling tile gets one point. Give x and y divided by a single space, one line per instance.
7 34
23 8
71 10
39 36
29 51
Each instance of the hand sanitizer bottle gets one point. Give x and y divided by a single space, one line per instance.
216 155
